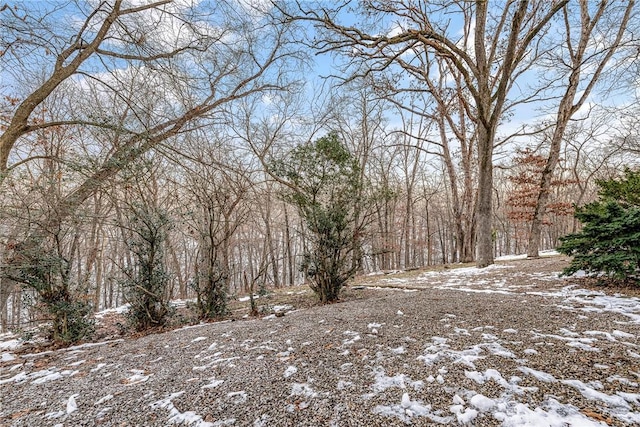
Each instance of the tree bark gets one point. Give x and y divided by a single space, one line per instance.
290 264
484 221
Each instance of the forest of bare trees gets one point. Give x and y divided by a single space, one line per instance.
476 128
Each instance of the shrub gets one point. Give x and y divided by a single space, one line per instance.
46 273
609 243
211 290
324 183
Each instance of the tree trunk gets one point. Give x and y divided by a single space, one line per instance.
455 199
287 233
275 269
533 244
484 216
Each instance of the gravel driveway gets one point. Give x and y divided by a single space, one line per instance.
508 345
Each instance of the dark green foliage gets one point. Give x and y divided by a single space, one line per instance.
609 243
146 285
211 290
625 191
47 274
72 319
324 184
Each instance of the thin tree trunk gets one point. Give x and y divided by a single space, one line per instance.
287 233
275 269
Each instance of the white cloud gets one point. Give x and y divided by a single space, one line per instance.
395 30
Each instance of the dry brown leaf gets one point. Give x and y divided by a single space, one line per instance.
20 414
597 416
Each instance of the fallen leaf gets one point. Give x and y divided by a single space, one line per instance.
597 416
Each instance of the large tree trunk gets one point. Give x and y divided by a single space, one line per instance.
484 216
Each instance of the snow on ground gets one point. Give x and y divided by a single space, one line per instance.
8 343
395 395
547 253
117 310
508 409
187 417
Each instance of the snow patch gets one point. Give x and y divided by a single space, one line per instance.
612 401
384 382
303 389
398 350
72 405
238 397
12 344
539 375
188 417
139 376
291 370
7 357
482 403
408 409
104 399
355 337
552 413
439 351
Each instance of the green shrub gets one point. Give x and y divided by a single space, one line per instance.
324 183
46 273
609 243
211 287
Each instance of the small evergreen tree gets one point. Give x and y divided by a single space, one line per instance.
324 184
609 243
145 286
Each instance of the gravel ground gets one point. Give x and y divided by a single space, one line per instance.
396 356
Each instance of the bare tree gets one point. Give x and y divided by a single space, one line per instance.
446 110
581 59
356 111
226 57
496 47
22 32
164 69
219 193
